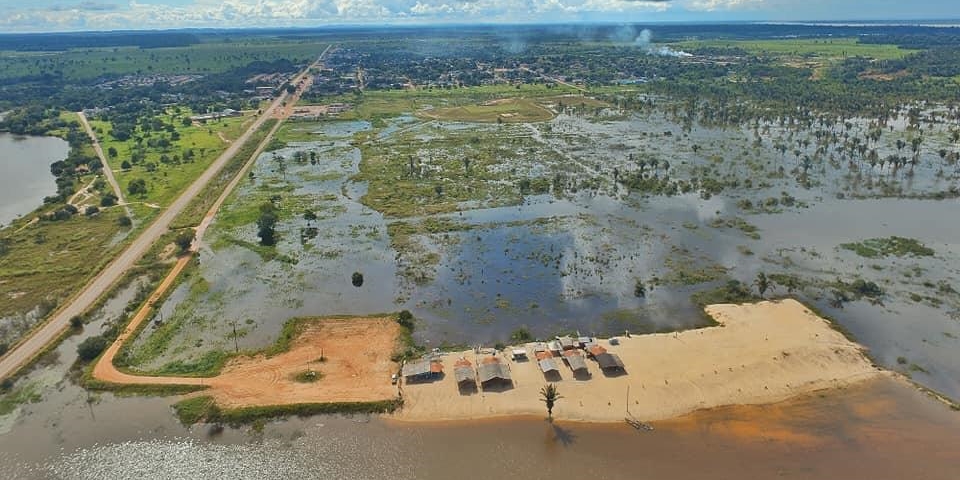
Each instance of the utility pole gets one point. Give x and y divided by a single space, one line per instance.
236 343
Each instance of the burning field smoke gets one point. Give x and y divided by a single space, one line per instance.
644 42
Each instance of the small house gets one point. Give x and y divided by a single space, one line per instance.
575 360
465 375
609 362
566 343
596 350
493 371
421 370
546 363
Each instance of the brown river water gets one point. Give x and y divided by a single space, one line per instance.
883 429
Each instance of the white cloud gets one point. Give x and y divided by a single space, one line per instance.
713 5
240 13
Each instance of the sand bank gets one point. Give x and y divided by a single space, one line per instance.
760 353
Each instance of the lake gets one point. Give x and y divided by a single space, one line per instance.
25 163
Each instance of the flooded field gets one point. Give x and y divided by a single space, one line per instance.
598 223
552 226
25 163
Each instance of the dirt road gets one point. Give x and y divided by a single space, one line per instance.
27 349
107 170
104 369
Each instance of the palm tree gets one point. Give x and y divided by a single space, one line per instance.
762 283
549 395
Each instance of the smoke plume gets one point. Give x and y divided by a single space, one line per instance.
644 42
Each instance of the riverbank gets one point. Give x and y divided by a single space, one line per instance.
760 353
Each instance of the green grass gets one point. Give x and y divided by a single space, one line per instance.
747 228
198 207
373 105
508 110
46 262
169 179
18 396
308 376
733 291
131 389
828 49
193 410
203 58
890 246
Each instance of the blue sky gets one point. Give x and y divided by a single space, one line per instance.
65 15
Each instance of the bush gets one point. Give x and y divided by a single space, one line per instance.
108 200
124 221
184 240
91 211
91 348
76 321
6 385
405 319
639 289
357 279
521 335
3 348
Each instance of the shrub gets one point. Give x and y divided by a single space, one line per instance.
521 335
405 319
76 321
639 290
124 221
184 240
357 279
91 348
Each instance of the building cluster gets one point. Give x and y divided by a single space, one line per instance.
492 369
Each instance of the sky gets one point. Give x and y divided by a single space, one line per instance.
73 15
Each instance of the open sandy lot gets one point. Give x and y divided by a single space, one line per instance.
357 367
760 353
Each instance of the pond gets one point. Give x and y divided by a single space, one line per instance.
25 163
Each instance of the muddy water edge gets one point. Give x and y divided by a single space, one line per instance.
882 429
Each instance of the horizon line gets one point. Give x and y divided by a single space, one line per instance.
847 23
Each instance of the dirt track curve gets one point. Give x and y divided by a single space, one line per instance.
104 370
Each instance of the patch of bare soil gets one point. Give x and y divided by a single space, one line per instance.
356 367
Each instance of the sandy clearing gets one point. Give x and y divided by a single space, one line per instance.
357 367
761 353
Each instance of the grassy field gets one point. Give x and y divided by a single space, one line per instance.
165 169
829 49
45 262
507 110
203 58
378 104
193 214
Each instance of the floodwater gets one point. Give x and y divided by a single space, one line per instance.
566 263
881 430
25 163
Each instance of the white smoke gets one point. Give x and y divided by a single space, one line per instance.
644 42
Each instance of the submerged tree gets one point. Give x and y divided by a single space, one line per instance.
266 223
549 395
639 289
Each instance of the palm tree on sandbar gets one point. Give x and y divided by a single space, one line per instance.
549 395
